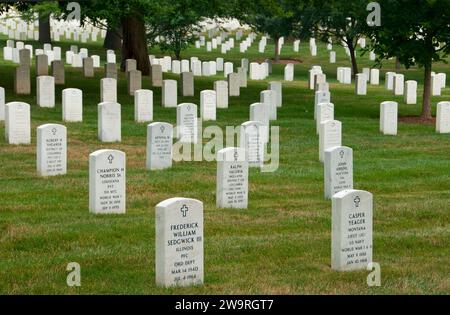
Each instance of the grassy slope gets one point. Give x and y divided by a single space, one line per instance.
280 245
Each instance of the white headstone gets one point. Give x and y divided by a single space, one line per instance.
185 67
143 106
2 104
330 135
252 141
332 57
17 123
208 105
278 88
232 179
221 88
72 105
410 92
260 112
107 180
389 81
374 76
436 86
108 90
176 66
325 111
51 150
45 88
77 61
351 241
228 68
389 118
289 72
338 170
443 117
169 93
399 84
361 84
179 242
321 97
109 122
269 97
159 146
187 125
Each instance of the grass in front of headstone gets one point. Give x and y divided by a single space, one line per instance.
280 245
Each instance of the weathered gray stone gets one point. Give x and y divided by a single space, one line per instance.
187 79
88 67
134 80
111 70
25 57
58 71
130 64
156 75
234 85
41 65
242 73
22 83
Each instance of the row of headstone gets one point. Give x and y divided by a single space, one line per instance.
351 209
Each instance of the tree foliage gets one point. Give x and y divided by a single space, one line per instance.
417 33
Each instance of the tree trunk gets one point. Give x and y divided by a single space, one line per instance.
398 64
277 49
426 108
353 57
113 39
134 44
178 54
44 30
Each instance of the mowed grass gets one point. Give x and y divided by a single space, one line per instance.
280 245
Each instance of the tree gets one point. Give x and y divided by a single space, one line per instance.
344 21
129 16
174 24
113 38
272 17
417 33
44 10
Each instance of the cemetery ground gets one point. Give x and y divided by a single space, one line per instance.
280 245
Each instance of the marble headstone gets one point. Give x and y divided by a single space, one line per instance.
72 105
159 146
17 123
143 106
187 124
338 170
352 224
51 150
179 243
208 105
389 118
107 182
109 122
232 179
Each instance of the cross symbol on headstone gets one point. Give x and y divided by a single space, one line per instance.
357 201
236 155
54 131
189 108
341 154
162 128
184 209
110 158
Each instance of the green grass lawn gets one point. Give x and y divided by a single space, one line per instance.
280 245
